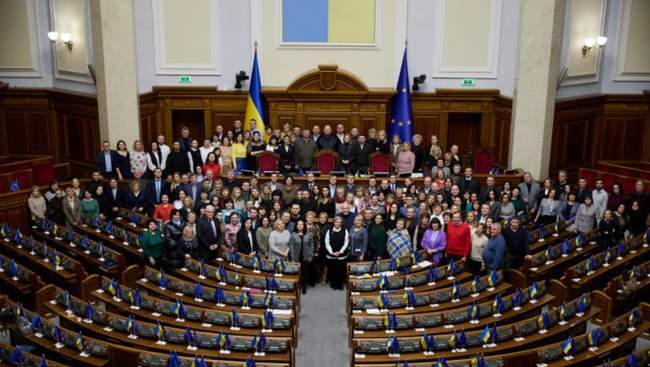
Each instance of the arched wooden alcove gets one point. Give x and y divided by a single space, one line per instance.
328 95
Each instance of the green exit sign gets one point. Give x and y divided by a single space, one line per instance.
468 83
184 79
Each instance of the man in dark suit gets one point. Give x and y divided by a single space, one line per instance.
115 198
208 233
490 185
105 160
192 188
361 153
94 183
469 182
156 188
310 184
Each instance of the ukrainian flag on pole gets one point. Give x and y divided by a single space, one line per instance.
254 107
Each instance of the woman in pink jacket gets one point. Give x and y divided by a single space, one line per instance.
405 160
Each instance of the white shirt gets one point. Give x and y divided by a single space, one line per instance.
164 149
204 153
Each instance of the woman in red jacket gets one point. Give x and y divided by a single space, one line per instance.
213 165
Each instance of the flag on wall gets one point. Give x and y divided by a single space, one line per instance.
400 123
254 107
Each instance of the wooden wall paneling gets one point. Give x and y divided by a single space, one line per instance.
626 118
502 116
4 150
77 123
576 128
328 95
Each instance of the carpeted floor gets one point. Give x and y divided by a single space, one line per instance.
323 331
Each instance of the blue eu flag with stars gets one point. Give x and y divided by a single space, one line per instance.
400 123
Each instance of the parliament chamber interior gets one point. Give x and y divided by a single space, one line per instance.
324 183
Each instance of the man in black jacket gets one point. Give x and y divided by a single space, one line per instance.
328 140
208 233
469 182
177 160
361 155
115 198
419 151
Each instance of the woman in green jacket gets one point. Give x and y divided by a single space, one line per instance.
153 244
89 207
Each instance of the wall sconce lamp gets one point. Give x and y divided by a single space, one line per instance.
66 38
591 42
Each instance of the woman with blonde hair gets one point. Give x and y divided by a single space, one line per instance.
239 152
135 199
279 241
226 154
138 159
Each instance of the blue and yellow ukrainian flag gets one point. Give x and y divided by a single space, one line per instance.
254 107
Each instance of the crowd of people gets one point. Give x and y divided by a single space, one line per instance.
199 207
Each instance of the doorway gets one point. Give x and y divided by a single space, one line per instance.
193 119
464 130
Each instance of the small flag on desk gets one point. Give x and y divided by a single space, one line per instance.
478 361
198 291
79 342
56 333
493 279
174 361
114 288
486 334
17 356
581 306
15 186
249 362
392 345
427 342
179 310
441 362
567 346
532 291
400 123
158 330
43 362
36 323
631 361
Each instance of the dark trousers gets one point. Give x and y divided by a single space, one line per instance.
336 272
306 274
474 266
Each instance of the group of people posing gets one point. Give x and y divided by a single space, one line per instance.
199 208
